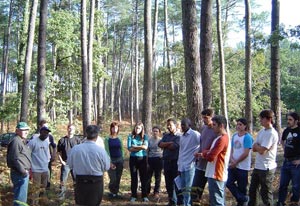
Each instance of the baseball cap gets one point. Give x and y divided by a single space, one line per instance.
45 128
22 126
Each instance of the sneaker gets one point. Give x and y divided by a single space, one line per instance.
61 195
133 199
145 199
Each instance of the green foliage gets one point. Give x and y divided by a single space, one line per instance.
10 110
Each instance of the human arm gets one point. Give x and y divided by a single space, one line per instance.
260 149
220 144
14 159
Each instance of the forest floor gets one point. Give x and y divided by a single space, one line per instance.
52 199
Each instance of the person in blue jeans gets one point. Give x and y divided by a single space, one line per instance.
19 162
137 144
240 162
64 146
290 170
188 145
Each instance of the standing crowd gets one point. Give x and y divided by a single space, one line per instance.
189 160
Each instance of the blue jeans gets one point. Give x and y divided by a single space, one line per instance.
216 192
237 184
187 181
289 172
64 173
20 187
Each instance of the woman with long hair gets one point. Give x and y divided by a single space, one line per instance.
114 148
137 144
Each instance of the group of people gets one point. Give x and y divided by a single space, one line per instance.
189 159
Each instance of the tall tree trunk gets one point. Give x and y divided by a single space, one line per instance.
222 63
206 51
136 65
90 51
131 90
248 68
86 106
22 43
171 79
52 112
147 97
275 65
192 62
28 59
6 55
154 38
41 75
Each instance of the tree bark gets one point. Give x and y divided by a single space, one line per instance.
41 75
90 52
206 51
147 97
28 59
86 117
192 62
171 79
222 63
275 65
136 66
248 68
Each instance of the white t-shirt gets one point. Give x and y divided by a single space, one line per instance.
40 154
267 138
239 144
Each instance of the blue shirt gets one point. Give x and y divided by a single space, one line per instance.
189 144
88 159
169 154
114 146
137 141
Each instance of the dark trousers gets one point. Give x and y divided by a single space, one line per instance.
262 179
155 165
88 190
237 184
115 175
138 165
199 183
171 172
289 172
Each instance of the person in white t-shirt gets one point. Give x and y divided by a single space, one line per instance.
240 162
40 155
265 147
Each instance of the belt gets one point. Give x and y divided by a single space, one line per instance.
87 179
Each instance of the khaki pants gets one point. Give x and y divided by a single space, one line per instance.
39 180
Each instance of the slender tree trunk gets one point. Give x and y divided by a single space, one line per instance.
6 55
86 106
131 90
275 65
248 68
192 62
206 51
136 65
147 97
90 51
222 63
171 79
154 50
53 105
28 59
41 75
